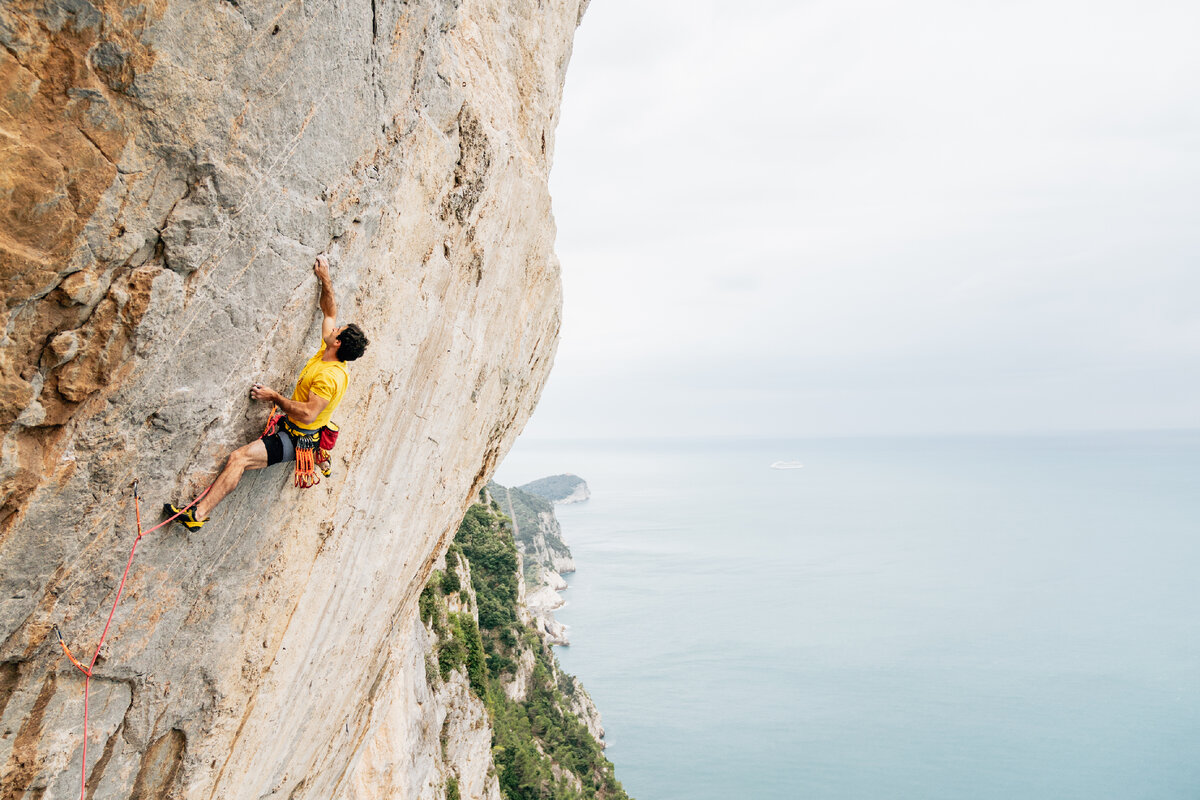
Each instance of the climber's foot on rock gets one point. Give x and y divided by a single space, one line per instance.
187 518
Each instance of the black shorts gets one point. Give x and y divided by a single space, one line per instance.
280 447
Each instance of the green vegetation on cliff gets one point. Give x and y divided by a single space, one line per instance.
541 749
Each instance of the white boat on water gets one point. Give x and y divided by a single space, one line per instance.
786 465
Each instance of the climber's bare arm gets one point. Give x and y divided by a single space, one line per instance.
328 304
305 412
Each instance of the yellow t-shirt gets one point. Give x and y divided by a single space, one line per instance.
326 379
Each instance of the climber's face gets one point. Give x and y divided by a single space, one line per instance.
331 341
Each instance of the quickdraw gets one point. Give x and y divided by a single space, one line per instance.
273 421
307 443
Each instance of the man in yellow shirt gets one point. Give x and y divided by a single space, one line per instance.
319 389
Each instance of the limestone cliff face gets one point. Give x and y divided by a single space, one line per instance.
168 171
436 732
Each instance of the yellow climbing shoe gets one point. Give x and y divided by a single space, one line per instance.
186 517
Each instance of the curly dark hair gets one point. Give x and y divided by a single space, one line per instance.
352 342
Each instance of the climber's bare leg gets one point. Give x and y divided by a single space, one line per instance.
251 456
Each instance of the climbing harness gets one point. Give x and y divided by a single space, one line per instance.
90 668
312 447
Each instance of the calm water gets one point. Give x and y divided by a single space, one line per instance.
901 618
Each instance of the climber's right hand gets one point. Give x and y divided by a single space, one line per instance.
321 268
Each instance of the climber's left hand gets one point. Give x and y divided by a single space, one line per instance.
260 392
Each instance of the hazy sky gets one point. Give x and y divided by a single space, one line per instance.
805 218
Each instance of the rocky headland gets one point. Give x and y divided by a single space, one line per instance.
559 489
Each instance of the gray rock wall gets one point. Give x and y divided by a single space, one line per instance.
433 731
168 171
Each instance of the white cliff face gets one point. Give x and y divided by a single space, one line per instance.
583 707
553 551
434 731
170 172
542 604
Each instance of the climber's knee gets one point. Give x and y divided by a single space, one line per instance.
250 456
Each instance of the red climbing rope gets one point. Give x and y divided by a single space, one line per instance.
87 671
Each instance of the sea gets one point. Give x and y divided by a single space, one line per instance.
962 617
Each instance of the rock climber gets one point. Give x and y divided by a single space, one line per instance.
296 433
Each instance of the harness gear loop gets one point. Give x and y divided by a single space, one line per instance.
306 443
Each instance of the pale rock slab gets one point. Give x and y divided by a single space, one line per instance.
168 173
